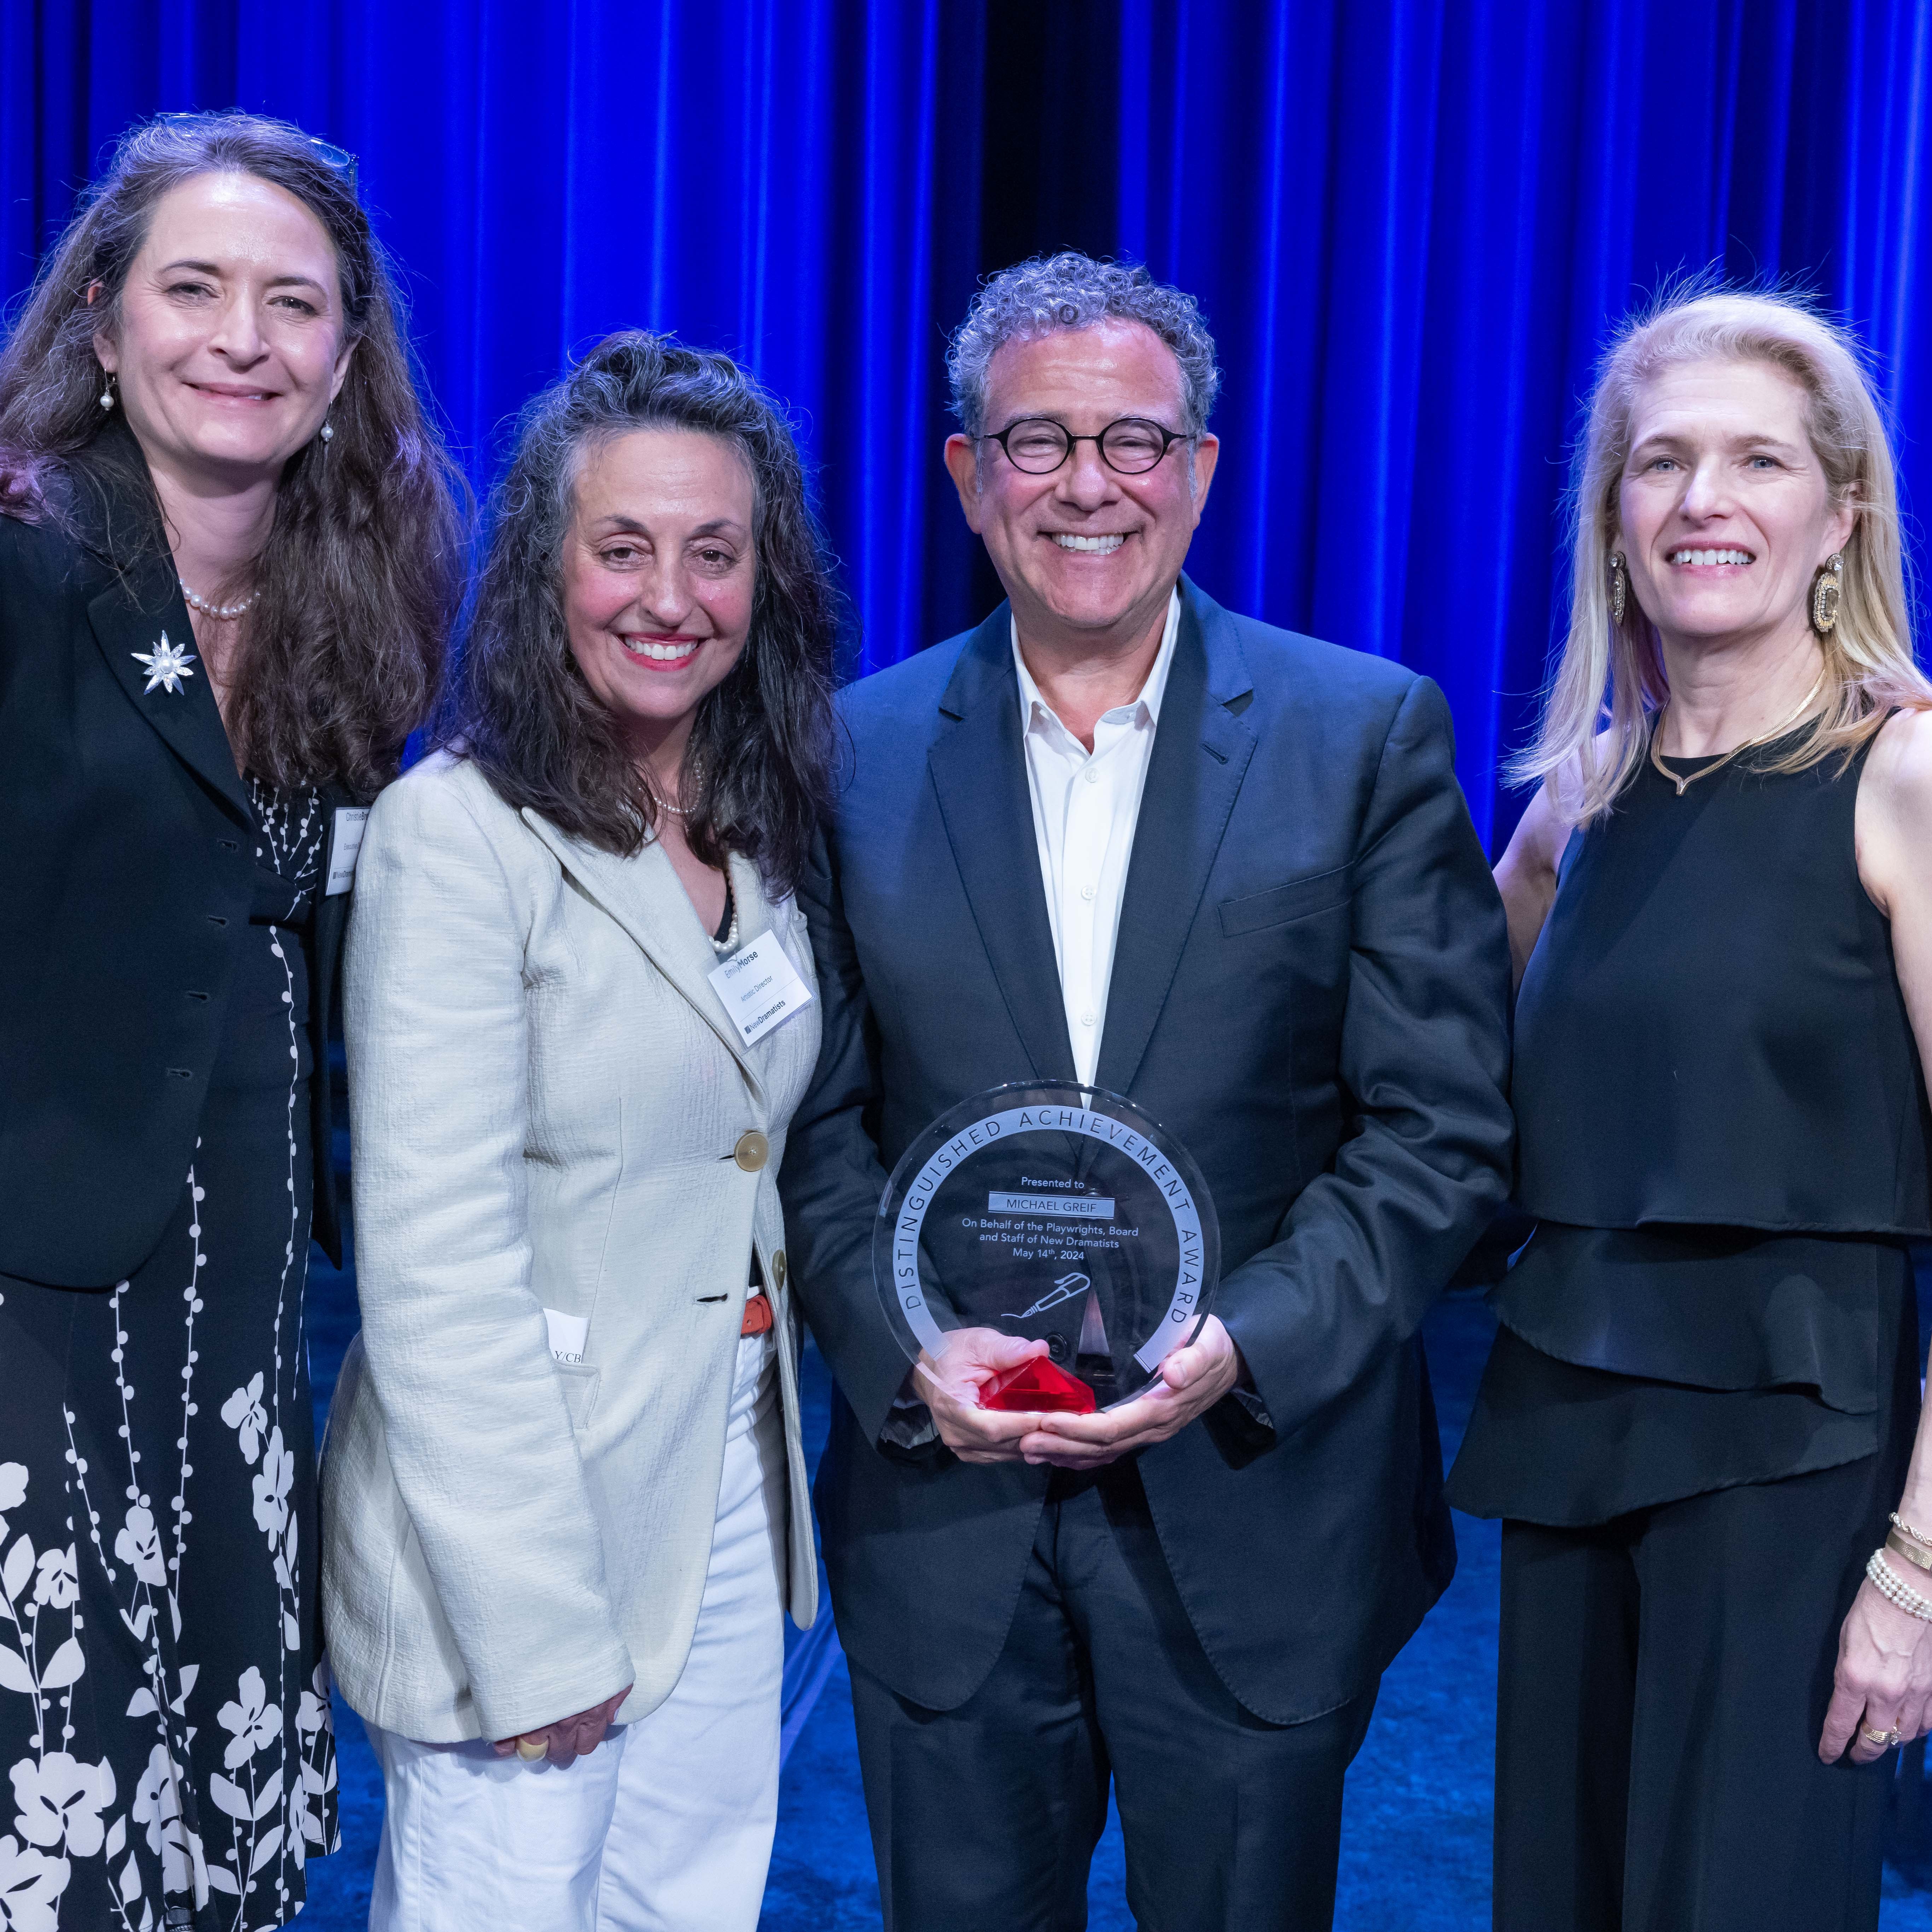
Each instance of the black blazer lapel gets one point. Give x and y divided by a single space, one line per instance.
1200 753
978 771
130 627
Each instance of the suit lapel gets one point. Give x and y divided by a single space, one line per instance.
979 772
1200 754
645 898
150 622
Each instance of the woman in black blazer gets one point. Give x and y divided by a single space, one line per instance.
229 552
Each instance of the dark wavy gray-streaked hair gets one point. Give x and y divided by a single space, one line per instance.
1070 290
758 766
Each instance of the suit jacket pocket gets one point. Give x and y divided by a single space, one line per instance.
1299 898
580 1382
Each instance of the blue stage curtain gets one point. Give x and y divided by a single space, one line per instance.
782 179
1411 223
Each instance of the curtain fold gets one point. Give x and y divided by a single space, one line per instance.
1411 225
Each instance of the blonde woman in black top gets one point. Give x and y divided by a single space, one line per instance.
1702 1406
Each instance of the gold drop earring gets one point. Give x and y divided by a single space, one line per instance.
1827 590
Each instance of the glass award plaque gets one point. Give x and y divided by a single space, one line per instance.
1049 1213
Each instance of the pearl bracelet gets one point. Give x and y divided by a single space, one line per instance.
1885 1580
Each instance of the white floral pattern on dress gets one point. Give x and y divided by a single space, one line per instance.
31 1885
62 1813
63 1804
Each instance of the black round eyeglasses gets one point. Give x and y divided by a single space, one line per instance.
1130 445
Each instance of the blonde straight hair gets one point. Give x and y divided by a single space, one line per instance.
1609 682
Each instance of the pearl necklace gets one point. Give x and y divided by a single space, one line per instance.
729 943
222 610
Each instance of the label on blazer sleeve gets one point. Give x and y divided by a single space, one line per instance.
760 988
345 843
568 1334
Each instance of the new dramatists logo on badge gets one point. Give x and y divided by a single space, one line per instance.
760 988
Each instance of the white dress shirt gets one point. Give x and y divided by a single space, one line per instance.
1085 806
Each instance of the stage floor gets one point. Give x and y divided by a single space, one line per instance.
1415 1844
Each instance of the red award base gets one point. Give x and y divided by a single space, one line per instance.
1039 1387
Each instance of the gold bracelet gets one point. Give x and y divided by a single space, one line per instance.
1913 1553
1904 1528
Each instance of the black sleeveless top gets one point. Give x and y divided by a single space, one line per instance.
1711 1028
1723 1133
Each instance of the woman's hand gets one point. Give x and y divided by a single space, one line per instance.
569 1738
1883 1681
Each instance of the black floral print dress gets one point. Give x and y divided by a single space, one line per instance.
164 1725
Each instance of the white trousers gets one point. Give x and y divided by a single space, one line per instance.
667 1826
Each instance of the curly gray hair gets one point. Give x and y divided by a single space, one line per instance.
1071 290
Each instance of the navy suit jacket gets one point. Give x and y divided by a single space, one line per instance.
1311 988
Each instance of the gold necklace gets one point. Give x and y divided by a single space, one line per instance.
1684 781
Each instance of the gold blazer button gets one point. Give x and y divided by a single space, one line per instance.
778 1268
752 1151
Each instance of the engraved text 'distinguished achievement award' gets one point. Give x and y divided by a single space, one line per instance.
1053 1213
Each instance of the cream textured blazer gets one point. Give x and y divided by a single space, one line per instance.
551 1110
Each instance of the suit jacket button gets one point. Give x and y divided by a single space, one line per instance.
752 1151
778 1268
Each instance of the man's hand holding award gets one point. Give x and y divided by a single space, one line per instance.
1045 1254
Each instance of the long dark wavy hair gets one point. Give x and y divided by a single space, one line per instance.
341 655
757 769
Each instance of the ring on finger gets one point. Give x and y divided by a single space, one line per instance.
1884 1740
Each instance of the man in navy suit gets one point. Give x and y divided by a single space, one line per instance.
1120 835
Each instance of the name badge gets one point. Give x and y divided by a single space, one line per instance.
760 988
345 842
568 1334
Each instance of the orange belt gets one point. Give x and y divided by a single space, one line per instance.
757 1315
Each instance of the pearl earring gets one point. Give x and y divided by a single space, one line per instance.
107 392
327 432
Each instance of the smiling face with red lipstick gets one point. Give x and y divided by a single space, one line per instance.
658 574
228 342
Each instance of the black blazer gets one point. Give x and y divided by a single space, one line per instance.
126 875
1311 988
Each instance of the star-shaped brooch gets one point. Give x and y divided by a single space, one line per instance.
166 665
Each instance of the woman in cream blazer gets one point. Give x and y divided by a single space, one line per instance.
564 1500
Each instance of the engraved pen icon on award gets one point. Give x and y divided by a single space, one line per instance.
1053 1213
